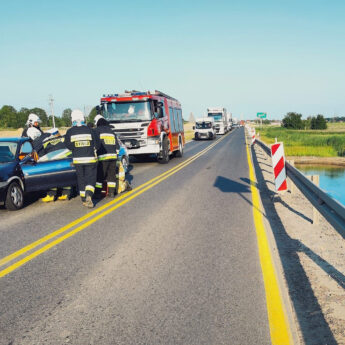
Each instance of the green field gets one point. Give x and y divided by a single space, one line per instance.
326 143
188 131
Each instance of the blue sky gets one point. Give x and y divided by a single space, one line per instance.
248 56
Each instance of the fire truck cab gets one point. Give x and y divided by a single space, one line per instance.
146 122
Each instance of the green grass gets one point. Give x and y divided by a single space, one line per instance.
306 143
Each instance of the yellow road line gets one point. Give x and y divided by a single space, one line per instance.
131 196
278 322
50 236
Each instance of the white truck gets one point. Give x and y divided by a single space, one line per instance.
204 128
229 118
219 116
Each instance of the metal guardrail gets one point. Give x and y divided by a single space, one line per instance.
331 209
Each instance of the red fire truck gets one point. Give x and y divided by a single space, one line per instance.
146 122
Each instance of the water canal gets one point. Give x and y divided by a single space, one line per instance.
332 179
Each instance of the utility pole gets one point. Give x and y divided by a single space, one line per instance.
51 103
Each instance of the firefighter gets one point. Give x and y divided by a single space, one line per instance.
32 126
34 132
83 142
53 143
106 170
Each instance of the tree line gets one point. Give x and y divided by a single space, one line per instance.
294 121
11 118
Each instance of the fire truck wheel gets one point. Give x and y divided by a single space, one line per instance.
179 152
164 156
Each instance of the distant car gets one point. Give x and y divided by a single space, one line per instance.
22 172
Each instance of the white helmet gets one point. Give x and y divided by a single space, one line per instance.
97 118
77 115
32 119
33 133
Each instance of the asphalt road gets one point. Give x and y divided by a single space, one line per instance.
176 263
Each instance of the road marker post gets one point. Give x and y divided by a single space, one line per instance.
253 135
278 164
316 215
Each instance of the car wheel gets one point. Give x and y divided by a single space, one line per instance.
164 156
125 163
14 197
179 152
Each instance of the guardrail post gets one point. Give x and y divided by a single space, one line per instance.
292 185
316 215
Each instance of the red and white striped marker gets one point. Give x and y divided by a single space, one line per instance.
278 162
253 136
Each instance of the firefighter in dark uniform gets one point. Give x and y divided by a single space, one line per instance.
53 143
34 132
83 142
32 126
107 156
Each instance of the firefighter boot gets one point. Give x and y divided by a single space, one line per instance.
111 192
66 193
51 195
98 190
88 200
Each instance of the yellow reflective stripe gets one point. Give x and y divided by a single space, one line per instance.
90 188
107 156
82 193
78 137
99 185
111 184
81 160
107 136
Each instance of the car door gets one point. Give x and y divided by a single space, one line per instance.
46 174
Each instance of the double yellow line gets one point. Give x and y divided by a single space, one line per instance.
90 218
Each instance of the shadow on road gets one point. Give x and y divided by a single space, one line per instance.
313 325
230 186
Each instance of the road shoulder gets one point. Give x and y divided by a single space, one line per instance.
311 256
278 310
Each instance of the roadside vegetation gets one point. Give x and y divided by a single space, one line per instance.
321 143
314 136
10 118
188 131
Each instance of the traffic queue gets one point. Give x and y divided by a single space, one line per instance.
94 156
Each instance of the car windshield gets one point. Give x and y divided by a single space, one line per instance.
203 125
55 155
216 116
127 111
8 151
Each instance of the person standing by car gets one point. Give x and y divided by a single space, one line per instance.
107 156
53 143
83 142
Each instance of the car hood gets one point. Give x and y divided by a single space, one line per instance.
7 170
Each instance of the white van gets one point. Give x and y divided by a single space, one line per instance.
204 128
